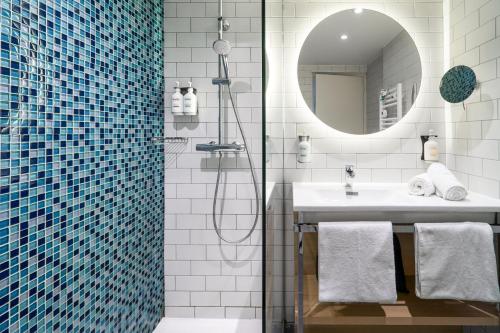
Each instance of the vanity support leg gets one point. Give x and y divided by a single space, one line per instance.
300 279
496 238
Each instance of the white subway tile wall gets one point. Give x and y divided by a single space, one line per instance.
389 156
223 280
474 139
204 277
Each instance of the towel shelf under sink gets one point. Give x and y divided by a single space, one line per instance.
327 202
408 311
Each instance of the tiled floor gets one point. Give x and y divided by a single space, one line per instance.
192 325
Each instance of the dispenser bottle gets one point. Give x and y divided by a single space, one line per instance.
177 100
190 102
304 149
431 148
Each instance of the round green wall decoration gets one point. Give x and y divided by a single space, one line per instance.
457 84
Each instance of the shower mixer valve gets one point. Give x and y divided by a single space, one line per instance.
213 147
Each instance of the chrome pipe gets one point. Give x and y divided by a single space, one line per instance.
223 48
220 102
220 19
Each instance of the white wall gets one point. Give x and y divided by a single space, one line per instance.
474 139
306 76
392 155
399 62
205 278
402 65
389 156
374 84
200 282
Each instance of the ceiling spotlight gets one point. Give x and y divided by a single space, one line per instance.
358 10
344 37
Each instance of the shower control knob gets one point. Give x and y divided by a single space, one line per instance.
239 146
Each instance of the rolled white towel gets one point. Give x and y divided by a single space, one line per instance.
447 185
421 185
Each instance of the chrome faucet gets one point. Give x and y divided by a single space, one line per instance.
349 175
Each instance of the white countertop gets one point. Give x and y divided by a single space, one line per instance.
331 197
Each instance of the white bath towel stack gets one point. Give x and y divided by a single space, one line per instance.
356 262
447 185
438 179
421 185
455 261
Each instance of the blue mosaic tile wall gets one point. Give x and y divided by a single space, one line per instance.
81 186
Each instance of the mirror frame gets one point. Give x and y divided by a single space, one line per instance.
296 72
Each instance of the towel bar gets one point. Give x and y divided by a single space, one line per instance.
302 227
397 228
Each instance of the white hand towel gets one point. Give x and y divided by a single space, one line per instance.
356 262
421 185
455 261
447 185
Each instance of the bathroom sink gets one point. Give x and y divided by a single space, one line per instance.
352 194
333 197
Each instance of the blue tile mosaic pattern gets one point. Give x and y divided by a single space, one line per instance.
81 194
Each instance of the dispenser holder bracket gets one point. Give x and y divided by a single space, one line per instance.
424 139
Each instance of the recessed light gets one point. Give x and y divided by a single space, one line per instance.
344 37
358 10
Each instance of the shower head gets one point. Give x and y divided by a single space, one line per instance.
222 47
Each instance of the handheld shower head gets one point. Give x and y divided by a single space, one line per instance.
222 47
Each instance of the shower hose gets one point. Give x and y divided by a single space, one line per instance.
219 170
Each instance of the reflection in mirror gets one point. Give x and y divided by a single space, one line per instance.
359 71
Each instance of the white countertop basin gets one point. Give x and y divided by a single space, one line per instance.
331 197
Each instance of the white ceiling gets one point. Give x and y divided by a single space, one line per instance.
368 33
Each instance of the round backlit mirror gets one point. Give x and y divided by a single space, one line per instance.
359 71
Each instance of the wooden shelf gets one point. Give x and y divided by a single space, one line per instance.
409 310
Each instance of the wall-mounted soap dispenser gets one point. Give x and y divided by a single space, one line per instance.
304 149
177 101
190 102
430 147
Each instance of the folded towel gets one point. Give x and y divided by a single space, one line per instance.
421 185
447 185
356 262
455 261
